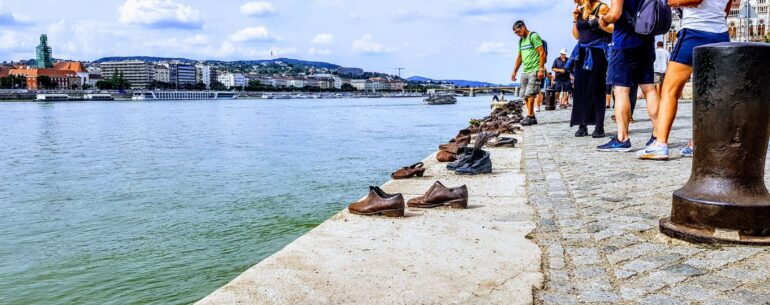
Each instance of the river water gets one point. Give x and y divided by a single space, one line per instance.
164 202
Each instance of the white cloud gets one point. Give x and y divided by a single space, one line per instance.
13 41
253 34
258 9
160 14
314 51
197 40
367 45
493 48
11 20
323 39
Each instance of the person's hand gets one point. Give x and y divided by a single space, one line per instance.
513 76
540 74
602 23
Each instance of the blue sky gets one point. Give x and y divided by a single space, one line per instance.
445 39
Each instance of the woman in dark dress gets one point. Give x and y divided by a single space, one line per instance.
590 67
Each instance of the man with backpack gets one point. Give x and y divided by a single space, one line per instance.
532 55
631 64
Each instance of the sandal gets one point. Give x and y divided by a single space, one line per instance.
406 172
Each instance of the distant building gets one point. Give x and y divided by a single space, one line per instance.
359 84
231 80
62 78
137 72
4 71
204 74
93 79
44 57
336 82
161 74
181 74
350 71
74 66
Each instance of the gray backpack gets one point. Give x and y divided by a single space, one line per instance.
654 18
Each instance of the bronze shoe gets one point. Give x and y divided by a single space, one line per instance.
439 195
410 171
379 202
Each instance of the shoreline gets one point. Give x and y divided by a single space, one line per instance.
479 255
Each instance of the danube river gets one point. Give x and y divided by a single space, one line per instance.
164 202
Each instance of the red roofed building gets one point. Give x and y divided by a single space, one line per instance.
4 71
74 66
62 78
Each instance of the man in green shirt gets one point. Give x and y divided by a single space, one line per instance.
532 56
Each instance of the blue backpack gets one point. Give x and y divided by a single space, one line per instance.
654 18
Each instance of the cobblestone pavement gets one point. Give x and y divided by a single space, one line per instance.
598 224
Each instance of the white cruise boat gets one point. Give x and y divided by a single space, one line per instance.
183 95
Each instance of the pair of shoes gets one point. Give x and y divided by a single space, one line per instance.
582 131
687 151
537 110
529 121
406 172
472 162
440 195
379 203
654 152
614 145
598 133
651 140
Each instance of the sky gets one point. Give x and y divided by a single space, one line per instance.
440 39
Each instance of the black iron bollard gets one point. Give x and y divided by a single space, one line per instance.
726 200
550 99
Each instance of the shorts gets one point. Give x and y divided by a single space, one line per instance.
608 91
629 67
689 39
530 84
659 77
563 86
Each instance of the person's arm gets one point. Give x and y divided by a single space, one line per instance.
555 69
541 69
728 8
613 15
687 3
575 14
603 11
516 69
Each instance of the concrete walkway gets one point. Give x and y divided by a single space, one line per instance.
598 224
480 255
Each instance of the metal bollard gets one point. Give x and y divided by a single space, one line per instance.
726 200
550 99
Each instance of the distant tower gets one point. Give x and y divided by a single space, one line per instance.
44 58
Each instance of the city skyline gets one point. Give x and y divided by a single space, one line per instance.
438 39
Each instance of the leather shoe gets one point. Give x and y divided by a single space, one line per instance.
379 202
479 163
416 169
439 195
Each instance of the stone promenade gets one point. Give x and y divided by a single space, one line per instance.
598 224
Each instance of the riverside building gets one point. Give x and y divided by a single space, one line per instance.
181 74
44 58
137 72
62 79
231 80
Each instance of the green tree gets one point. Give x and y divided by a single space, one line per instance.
217 86
45 82
348 88
87 87
104 85
199 86
254 85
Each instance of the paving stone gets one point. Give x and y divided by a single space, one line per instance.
660 299
694 293
558 299
597 296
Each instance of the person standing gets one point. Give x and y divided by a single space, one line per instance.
703 22
562 81
532 57
590 67
661 61
631 63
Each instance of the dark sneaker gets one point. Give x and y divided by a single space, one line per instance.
650 141
582 131
615 145
598 133
528 121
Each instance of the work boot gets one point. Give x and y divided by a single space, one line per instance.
479 163
379 202
439 195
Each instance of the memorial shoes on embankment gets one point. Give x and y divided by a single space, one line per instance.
407 172
378 202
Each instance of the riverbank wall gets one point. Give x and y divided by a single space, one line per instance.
479 255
